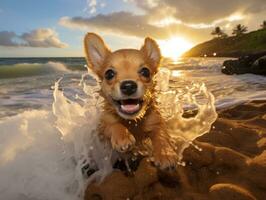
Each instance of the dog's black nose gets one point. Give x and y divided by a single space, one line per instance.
128 87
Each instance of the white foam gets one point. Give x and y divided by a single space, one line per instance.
54 66
42 152
57 66
33 164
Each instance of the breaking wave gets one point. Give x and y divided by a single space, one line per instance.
32 69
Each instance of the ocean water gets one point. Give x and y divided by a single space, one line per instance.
25 83
50 108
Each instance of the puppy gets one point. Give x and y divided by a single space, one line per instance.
127 85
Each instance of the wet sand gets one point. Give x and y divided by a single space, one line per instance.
231 165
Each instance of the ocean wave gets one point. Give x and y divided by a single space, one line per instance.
49 148
32 69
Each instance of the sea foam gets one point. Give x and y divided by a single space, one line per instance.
43 152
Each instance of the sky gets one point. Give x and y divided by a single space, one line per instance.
51 28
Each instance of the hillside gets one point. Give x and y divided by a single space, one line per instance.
250 43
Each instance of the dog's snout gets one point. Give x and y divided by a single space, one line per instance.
128 87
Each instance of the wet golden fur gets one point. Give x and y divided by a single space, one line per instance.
124 132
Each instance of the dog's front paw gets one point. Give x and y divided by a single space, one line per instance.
166 159
123 142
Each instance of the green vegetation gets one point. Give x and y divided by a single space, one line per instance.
219 33
239 30
263 25
234 46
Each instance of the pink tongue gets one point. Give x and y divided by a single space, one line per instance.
130 108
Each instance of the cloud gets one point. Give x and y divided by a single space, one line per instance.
7 38
195 11
162 19
119 22
43 37
92 5
131 25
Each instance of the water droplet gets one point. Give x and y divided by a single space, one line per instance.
134 158
182 164
151 159
196 146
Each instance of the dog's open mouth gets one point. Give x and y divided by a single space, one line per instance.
129 106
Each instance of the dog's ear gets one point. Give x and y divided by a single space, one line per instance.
96 51
152 52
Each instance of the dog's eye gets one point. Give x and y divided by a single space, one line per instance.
145 72
109 74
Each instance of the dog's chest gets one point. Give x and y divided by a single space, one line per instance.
136 128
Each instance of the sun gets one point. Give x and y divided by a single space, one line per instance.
174 47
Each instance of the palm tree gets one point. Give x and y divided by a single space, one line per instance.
219 32
263 25
239 30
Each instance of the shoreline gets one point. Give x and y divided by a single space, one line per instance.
231 165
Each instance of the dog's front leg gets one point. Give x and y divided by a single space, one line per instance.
164 155
121 139
163 152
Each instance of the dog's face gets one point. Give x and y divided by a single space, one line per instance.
126 74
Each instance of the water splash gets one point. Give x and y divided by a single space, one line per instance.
47 149
77 122
174 102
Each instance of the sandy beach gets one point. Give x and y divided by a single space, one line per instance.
231 165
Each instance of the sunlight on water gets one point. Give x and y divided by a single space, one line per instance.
173 103
176 73
43 152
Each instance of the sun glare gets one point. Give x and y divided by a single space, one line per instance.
174 47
